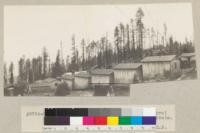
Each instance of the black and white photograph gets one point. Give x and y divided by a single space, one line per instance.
96 50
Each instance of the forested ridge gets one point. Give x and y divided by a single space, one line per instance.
127 46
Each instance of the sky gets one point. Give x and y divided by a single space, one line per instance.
27 29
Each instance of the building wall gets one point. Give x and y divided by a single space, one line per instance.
100 79
175 66
187 63
193 62
81 83
127 76
70 83
151 69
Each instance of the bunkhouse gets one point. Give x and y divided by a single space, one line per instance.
82 80
102 76
188 60
128 73
160 65
102 80
69 79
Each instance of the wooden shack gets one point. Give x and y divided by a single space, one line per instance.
69 79
128 73
82 80
101 81
102 76
188 60
159 65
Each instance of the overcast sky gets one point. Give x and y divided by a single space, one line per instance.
27 29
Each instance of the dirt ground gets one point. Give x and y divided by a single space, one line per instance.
45 91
